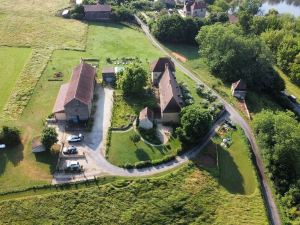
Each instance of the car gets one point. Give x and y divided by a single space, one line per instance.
75 138
2 146
73 166
70 150
230 123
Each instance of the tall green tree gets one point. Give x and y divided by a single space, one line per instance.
195 122
278 135
49 137
133 79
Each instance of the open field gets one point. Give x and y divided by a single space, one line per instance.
12 62
187 195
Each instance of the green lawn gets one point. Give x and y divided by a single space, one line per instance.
12 62
188 195
123 150
236 170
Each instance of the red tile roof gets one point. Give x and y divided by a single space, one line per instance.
146 113
60 100
160 64
97 8
81 84
240 85
170 93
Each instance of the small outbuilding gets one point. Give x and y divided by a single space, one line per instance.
239 89
146 118
108 74
97 12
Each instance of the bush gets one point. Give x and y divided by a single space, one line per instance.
77 12
122 13
135 138
49 137
10 136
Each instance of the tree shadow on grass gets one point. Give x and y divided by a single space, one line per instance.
230 176
141 154
220 165
11 154
47 158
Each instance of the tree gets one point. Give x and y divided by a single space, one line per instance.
272 38
191 30
278 135
10 136
195 122
295 70
77 12
49 137
287 51
169 28
132 80
122 13
232 56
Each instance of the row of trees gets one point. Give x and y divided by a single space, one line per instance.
233 56
281 33
175 29
278 136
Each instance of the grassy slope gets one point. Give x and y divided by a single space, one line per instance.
292 88
123 150
12 61
188 195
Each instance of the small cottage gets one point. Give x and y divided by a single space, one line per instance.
97 12
239 89
146 119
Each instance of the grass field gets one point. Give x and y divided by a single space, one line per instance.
189 195
123 150
292 88
12 62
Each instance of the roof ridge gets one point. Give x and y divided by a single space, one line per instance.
78 80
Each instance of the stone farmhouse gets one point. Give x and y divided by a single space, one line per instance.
97 12
74 100
170 96
239 89
195 8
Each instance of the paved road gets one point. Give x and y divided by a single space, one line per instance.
237 118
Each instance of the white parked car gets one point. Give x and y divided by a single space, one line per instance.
72 166
75 138
70 150
2 146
